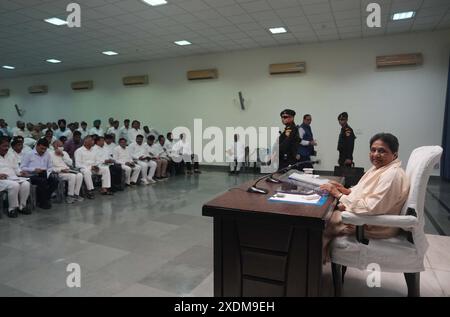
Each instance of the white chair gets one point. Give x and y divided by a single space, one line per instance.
402 254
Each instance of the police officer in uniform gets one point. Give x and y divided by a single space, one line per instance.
346 141
289 140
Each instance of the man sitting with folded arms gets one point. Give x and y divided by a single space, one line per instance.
37 165
139 153
86 159
122 156
62 164
155 151
18 191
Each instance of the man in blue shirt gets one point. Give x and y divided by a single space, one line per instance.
37 165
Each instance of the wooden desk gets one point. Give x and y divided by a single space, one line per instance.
263 248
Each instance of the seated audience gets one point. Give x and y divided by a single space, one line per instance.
154 151
139 153
97 130
37 165
106 159
73 144
83 130
63 131
62 165
86 159
122 156
18 190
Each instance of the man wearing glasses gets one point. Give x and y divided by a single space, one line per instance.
289 140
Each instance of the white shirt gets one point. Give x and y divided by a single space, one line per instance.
95 131
110 148
114 131
168 145
158 150
85 158
181 148
14 158
28 143
123 133
84 133
121 155
101 153
67 133
17 132
137 150
7 168
133 133
61 162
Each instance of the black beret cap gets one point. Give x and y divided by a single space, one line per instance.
288 112
343 115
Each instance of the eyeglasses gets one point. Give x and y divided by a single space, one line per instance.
286 117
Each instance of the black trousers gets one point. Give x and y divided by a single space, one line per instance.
116 177
45 187
305 159
188 163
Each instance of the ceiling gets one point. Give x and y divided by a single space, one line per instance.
140 32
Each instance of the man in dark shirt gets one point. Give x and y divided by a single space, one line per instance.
346 142
73 144
289 140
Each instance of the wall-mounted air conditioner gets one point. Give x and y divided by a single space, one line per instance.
399 60
82 85
287 68
202 74
39 89
4 92
135 80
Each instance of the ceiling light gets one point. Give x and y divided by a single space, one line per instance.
183 43
110 53
403 15
155 2
53 61
279 30
8 67
56 21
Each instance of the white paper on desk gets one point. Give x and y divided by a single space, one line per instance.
309 179
295 198
18 179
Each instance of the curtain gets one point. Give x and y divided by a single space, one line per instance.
445 170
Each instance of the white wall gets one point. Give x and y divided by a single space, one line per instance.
341 76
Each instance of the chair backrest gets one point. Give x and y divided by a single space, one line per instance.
419 168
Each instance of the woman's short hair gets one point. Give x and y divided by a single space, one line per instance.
388 138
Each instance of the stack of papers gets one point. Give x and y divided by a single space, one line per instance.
308 179
18 179
299 199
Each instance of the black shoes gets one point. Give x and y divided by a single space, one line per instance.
25 211
13 213
46 206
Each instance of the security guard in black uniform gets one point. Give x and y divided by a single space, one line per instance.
346 142
289 140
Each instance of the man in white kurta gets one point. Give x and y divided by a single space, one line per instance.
139 153
135 131
86 159
122 156
18 190
62 164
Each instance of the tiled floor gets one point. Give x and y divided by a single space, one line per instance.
153 241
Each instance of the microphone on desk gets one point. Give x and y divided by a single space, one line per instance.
270 179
